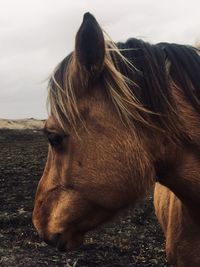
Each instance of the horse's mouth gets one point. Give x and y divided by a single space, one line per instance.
66 245
66 241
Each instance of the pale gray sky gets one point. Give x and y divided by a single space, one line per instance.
36 34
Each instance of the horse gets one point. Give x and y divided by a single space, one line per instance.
123 118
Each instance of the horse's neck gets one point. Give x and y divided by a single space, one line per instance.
181 174
179 165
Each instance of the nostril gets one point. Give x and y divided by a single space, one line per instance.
37 228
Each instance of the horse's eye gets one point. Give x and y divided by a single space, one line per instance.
55 139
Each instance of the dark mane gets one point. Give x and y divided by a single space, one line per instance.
157 66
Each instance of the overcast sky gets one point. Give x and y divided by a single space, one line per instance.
36 34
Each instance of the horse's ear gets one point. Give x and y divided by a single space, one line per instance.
90 45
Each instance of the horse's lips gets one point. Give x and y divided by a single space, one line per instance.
61 246
64 244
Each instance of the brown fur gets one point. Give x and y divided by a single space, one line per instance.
178 211
107 145
180 228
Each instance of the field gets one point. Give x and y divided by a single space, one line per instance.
133 239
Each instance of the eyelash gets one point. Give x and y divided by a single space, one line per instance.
55 139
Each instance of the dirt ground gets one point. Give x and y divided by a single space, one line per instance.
133 239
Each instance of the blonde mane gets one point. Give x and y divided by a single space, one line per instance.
62 100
